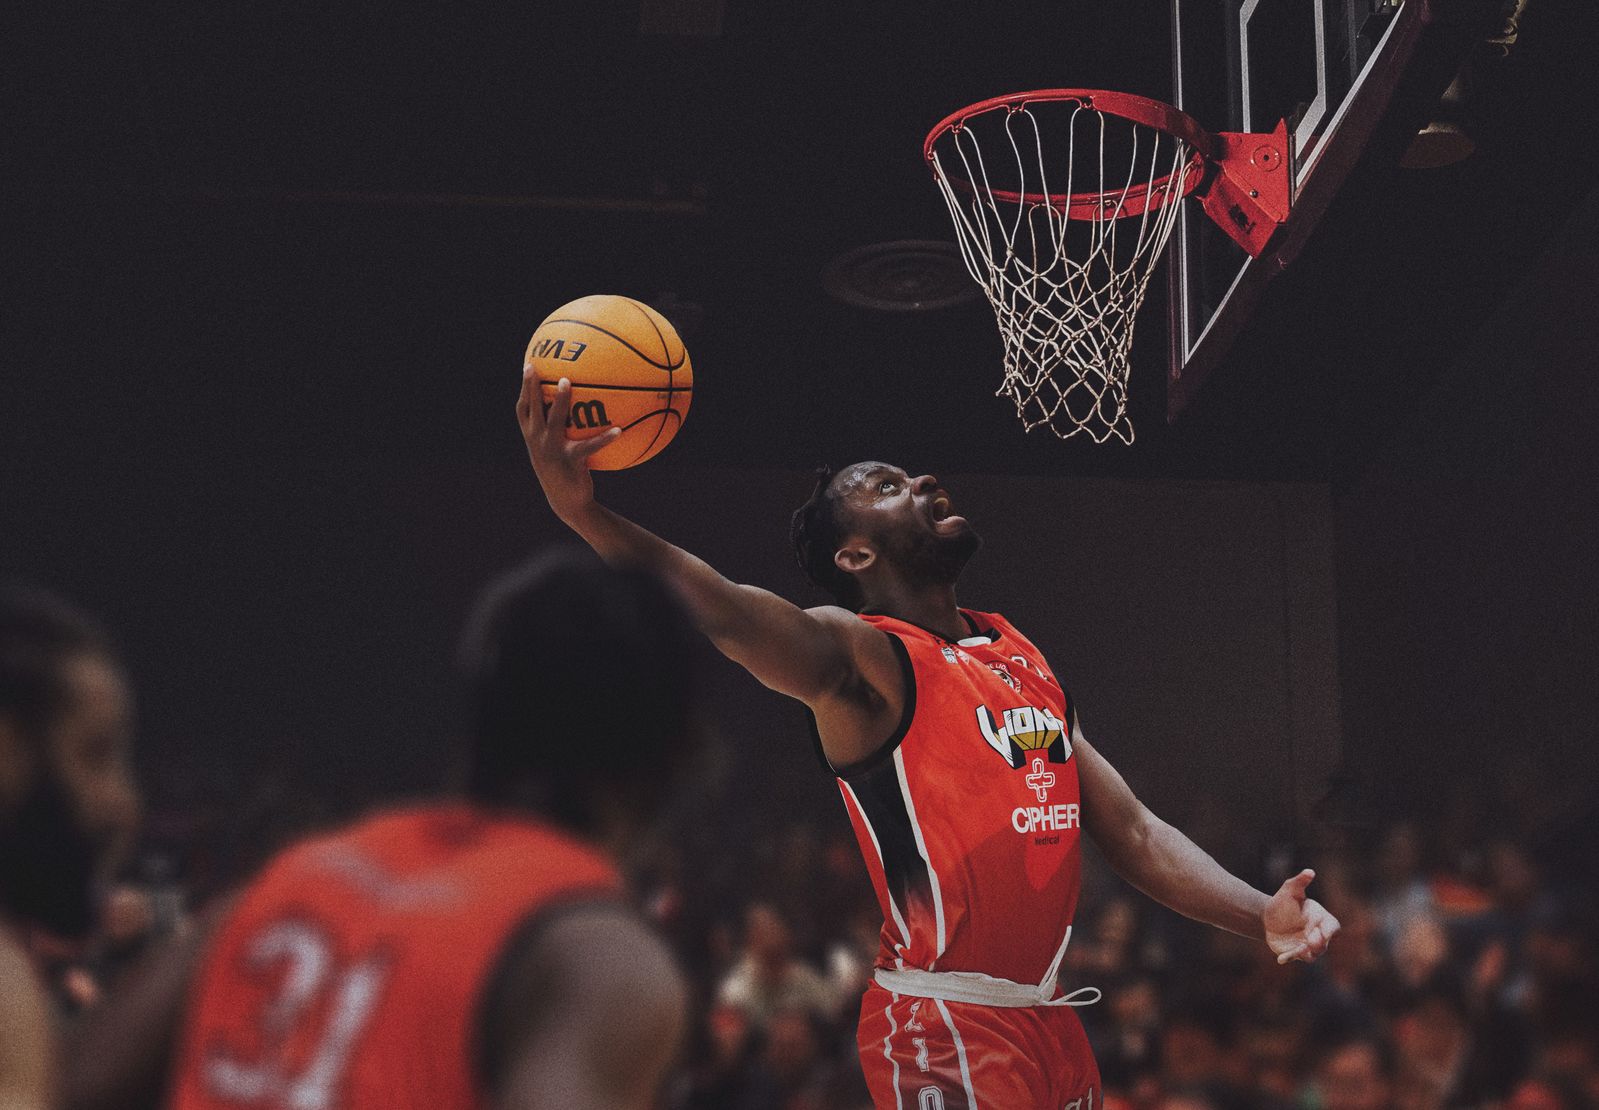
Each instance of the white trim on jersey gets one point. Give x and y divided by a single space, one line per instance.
893 906
960 1053
888 1050
921 847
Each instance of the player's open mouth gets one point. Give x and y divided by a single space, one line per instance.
939 510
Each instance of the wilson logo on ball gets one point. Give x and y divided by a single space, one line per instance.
584 414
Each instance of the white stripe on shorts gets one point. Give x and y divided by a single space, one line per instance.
960 1053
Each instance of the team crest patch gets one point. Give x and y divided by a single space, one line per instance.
1005 676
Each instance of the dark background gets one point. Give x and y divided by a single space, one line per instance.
270 270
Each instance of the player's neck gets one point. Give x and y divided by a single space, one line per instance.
931 607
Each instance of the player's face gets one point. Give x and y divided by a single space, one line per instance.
910 520
78 807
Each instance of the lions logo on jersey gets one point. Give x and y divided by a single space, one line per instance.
1027 728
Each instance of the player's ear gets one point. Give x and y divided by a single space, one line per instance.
854 557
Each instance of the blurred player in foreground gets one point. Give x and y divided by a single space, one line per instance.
67 803
458 953
964 772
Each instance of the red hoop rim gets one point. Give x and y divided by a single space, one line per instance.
1142 110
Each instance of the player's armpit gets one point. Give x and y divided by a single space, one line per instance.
857 718
587 1012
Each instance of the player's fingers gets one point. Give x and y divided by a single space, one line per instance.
555 416
528 410
1296 885
1292 954
583 448
525 417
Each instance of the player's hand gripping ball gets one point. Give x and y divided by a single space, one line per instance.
628 369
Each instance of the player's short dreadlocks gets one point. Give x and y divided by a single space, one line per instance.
816 531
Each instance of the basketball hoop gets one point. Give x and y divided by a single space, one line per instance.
1063 200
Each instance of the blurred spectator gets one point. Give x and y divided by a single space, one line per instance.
768 977
1267 1064
1355 1075
68 807
790 1072
1193 1048
1434 1044
1186 1100
850 957
716 1077
1126 1046
1348 978
1400 893
1419 951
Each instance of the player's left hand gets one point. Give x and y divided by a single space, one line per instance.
1297 927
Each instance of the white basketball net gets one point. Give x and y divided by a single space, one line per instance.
1065 285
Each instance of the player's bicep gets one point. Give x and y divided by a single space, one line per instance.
803 653
589 1014
1112 814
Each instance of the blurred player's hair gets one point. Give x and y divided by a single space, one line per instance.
39 635
582 683
817 530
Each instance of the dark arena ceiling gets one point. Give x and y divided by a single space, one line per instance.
306 226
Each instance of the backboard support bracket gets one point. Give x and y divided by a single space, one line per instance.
1249 195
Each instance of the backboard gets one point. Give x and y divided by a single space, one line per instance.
1337 71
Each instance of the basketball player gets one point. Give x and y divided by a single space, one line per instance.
963 770
467 953
67 802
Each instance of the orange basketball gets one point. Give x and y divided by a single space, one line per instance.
628 369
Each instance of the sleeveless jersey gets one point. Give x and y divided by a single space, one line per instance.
969 816
352 972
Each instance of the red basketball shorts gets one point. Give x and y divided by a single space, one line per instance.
928 1054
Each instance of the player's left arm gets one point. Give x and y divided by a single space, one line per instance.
1163 863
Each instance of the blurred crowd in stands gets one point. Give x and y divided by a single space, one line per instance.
1466 974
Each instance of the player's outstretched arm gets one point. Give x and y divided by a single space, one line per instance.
813 655
1163 863
588 1014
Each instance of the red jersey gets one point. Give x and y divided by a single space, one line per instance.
969 816
352 973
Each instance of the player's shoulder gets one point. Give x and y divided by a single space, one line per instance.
836 615
591 963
